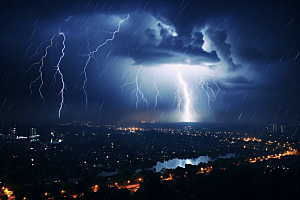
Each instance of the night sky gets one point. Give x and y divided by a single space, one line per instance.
169 61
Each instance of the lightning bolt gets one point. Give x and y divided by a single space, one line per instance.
138 93
57 69
184 100
157 92
40 77
38 50
61 92
203 86
91 55
185 97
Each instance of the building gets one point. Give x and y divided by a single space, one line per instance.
32 131
13 133
33 136
274 128
282 129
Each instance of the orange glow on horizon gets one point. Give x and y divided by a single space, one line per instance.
205 170
286 153
95 188
131 187
8 193
169 178
252 139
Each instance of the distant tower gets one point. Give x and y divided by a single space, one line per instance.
33 136
32 131
274 128
269 128
13 133
52 135
282 129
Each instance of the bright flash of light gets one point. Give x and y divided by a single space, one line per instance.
191 96
185 99
157 92
191 85
91 55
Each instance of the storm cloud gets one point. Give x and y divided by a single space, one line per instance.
246 52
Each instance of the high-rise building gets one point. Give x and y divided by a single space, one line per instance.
13 133
33 136
282 129
52 136
32 131
269 128
274 128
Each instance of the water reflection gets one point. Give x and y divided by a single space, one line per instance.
174 163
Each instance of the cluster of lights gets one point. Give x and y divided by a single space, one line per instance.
8 193
169 178
275 156
253 139
95 188
132 187
131 129
205 170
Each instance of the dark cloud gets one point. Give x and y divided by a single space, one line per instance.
238 80
198 39
255 55
217 40
151 36
163 54
162 45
